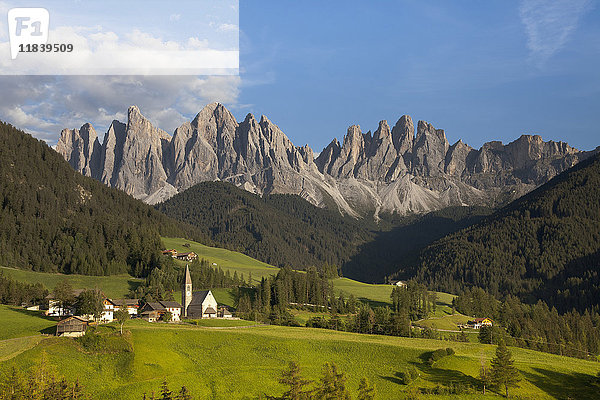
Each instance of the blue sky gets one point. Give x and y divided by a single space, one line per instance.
482 71
467 67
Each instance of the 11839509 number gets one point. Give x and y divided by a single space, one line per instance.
46 48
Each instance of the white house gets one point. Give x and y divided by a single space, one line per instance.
56 310
174 308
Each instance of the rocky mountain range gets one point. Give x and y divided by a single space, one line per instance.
390 170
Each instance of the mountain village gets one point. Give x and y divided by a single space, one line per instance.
194 305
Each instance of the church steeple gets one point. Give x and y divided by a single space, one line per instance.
186 291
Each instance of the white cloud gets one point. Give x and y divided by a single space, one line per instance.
228 28
549 25
174 17
44 105
97 51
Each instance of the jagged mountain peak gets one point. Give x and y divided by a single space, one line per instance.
401 169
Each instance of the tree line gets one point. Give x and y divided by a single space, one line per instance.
534 326
16 293
545 245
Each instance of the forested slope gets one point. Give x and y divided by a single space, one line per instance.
277 229
545 245
54 219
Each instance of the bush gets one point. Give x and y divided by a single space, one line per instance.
408 375
438 355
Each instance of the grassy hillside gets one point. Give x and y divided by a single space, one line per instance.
116 286
242 363
236 262
18 322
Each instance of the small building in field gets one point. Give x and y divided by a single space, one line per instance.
191 256
72 327
199 304
478 323
398 283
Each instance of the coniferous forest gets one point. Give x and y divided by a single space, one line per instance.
54 219
545 245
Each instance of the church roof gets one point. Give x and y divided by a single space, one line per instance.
199 297
188 277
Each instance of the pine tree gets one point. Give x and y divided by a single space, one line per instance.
503 371
366 391
332 385
484 374
291 378
184 394
165 393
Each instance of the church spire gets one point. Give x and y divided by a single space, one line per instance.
186 291
188 277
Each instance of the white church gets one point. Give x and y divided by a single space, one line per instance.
199 304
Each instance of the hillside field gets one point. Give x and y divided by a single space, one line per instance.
244 362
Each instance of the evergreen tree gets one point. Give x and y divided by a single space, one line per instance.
332 385
291 377
165 393
503 372
90 302
366 391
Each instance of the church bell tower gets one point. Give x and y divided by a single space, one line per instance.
186 291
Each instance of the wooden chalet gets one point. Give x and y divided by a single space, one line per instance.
72 327
190 256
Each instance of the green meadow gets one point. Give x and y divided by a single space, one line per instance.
244 362
112 286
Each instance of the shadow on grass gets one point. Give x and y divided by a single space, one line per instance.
397 378
564 386
445 377
373 303
38 314
134 284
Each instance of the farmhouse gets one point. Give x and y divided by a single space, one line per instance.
153 311
191 256
55 309
132 305
72 327
200 304
170 252
477 323
398 283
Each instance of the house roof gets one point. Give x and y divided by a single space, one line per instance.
170 304
210 310
226 312
80 319
153 306
191 253
125 302
198 297
481 319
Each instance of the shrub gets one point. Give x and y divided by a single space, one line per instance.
450 351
